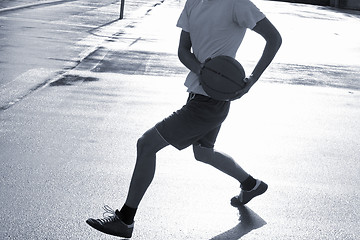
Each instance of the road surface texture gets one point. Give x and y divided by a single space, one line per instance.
67 141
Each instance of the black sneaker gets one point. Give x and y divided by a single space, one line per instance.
111 224
245 196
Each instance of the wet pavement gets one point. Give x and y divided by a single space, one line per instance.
68 146
39 42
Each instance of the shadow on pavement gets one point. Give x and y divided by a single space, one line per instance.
101 26
249 221
71 80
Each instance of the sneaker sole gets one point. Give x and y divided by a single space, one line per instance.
262 189
98 227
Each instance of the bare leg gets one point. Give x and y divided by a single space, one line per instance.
147 147
221 161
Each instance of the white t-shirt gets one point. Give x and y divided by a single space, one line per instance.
216 27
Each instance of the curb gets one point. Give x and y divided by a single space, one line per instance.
24 85
44 3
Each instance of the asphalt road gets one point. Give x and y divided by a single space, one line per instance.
68 147
40 41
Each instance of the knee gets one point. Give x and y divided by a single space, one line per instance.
203 154
143 146
150 143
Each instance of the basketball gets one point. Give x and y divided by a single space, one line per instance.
222 77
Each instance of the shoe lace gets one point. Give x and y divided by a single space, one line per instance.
109 215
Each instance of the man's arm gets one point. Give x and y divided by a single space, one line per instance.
273 42
186 56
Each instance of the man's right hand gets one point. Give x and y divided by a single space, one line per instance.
250 81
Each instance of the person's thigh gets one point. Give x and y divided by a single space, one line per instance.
200 118
151 142
209 139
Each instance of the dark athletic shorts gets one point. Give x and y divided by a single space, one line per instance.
198 121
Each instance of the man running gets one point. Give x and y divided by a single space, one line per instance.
209 28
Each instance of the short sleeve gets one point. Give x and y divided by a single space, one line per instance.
183 21
246 14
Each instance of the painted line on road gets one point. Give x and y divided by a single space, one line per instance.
24 85
45 3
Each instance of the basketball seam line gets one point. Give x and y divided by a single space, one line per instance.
212 70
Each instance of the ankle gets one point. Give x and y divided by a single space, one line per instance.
248 184
127 214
